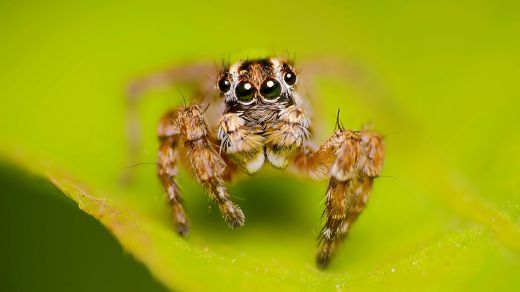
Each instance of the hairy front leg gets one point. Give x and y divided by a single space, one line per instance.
352 159
209 168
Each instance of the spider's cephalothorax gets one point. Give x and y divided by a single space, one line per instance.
262 120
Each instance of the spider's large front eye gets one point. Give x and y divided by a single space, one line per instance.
271 88
245 91
223 85
290 78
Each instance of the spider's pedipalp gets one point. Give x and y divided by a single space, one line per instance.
243 145
286 135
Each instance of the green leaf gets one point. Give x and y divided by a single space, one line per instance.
444 215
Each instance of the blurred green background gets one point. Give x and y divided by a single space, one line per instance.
444 89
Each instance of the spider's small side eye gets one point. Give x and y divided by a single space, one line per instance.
224 85
271 88
290 78
245 91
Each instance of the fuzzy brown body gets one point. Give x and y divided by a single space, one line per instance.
263 120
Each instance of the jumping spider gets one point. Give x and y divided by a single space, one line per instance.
259 118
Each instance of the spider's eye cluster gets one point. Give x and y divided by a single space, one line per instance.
224 85
245 91
271 88
289 78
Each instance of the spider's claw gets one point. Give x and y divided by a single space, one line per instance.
182 229
323 258
233 215
180 220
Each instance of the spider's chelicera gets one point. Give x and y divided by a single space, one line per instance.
262 119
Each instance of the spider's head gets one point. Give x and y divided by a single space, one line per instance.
262 84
